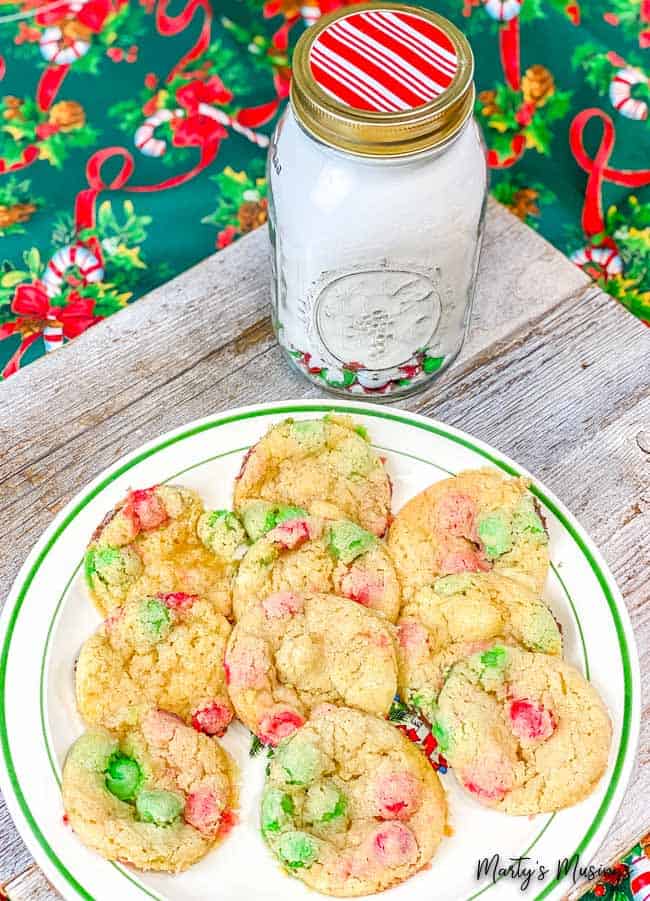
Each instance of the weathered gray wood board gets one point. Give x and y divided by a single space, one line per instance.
554 373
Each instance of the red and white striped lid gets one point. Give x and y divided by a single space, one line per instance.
383 60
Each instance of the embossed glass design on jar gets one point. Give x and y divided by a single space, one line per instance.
378 183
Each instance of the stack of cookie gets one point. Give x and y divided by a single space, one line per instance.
303 613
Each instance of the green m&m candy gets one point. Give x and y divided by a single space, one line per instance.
525 520
123 777
285 513
452 584
324 803
277 807
154 618
221 532
258 518
309 431
297 849
494 658
300 760
495 534
441 735
111 565
347 541
159 807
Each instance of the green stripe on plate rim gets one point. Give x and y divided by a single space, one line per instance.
287 410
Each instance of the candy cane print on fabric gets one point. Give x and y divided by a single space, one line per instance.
604 259
89 267
52 334
55 48
310 14
640 878
144 138
620 94
224 119
502 10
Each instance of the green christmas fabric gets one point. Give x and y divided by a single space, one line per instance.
133 136
626 880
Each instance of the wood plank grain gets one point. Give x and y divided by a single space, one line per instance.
30 885
553 373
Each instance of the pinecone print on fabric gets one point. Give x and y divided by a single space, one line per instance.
73 30
524 203
537 85
68 115
17 212
252 214
13 109
487 99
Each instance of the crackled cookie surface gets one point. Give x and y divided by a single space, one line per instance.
305 553
166 651
525 733
159 798
350 806
478 521
293 652
160 539
458 615
325 466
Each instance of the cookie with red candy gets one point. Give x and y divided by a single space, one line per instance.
350 805
476 522
293 652
164 650
161 539
160 797
524 733
324 466
300 553
459 614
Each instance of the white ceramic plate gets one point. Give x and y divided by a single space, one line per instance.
47 617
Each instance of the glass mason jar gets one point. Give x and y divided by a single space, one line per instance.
378 182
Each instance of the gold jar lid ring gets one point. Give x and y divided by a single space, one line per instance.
382 79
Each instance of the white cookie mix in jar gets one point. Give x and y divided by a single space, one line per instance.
378 183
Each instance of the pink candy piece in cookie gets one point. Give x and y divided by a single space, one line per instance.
145 509
398 796
203 810
282 603
245 669
491 782
213 719
158 726
456 515
531 721
278 725
462 560
177 600
394 845
290 534
360 586
412 636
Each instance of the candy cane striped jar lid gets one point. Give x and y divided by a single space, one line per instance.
382 79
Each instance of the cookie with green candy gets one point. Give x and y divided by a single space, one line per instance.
160 539
305 553
222 532
164 650
459 614
524 733
325 467
159 798
476 522
350 806
294 651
